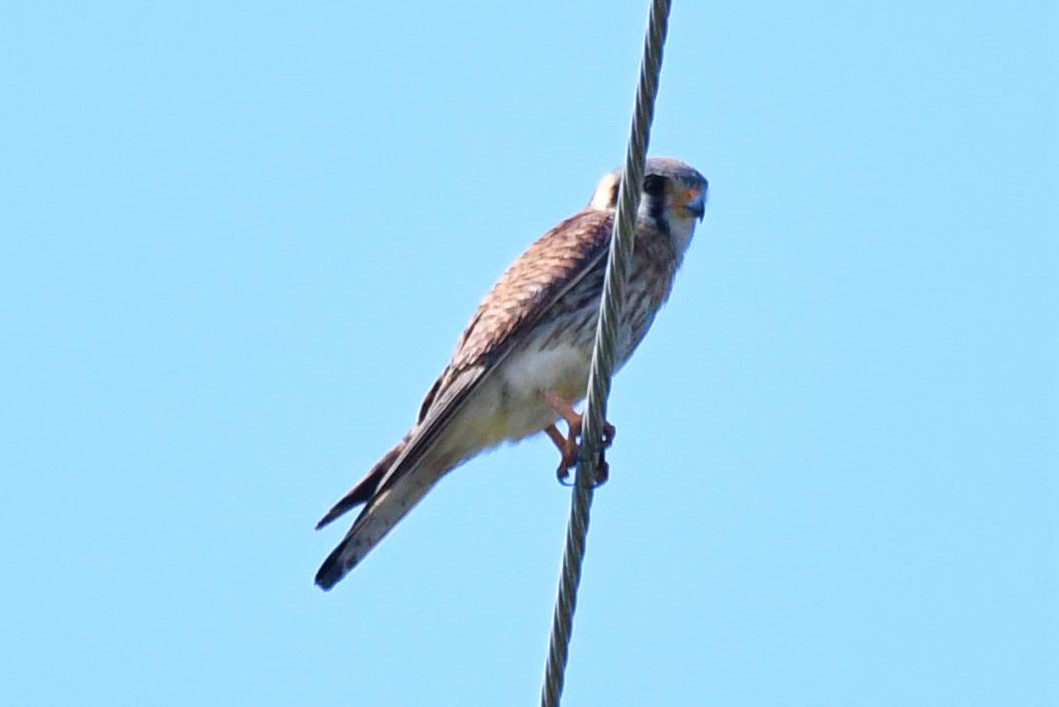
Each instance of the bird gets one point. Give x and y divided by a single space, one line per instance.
522 361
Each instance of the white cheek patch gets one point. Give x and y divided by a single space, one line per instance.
681 230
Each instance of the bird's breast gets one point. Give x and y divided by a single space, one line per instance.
529 372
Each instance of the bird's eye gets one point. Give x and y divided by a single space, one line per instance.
653 184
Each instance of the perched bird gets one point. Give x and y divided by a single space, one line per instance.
523 360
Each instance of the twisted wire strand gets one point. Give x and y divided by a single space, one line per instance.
599 378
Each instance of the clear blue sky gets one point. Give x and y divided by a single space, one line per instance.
238 241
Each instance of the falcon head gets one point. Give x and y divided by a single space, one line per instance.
673 197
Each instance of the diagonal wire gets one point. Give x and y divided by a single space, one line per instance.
618 262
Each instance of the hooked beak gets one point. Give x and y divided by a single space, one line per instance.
697 205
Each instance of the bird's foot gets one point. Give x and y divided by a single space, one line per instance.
602 471
569 445
574 419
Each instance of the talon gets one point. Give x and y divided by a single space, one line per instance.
568 445
568 449
562 475
602 471
569 460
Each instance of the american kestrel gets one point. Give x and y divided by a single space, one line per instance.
523 360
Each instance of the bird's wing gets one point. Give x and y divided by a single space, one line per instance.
524 296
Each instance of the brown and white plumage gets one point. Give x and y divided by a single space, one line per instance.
530 338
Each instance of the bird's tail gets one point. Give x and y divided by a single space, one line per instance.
387 504
366 487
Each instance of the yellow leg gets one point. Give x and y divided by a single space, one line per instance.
567 449
568 445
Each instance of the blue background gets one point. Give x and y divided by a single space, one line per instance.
239 241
